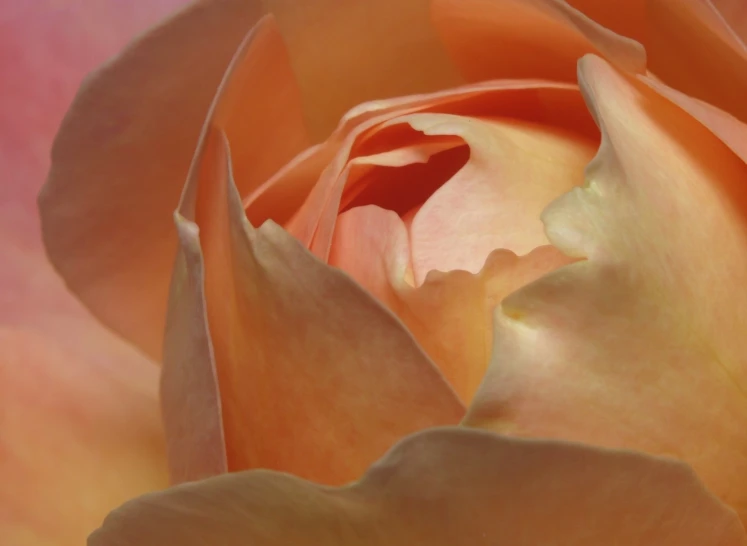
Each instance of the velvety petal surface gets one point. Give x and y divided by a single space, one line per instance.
444 486
640 344
314 376
124 149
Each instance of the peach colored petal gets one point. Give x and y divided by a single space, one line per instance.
544 38
315 377
735 14
641 345
124 149
514 170
692 49
625 17
730 130
346 52
445 486
450 314
372 246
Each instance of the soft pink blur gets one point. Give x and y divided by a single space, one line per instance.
79 425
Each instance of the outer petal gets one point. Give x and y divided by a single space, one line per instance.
642 344
444 487
544 38
124 150
735 14
315 377
692 49
346 52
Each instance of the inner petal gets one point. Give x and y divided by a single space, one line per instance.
515 169
404 188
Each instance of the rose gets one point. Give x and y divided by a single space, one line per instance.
636 280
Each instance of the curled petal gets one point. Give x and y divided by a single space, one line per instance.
443 487
639 345
314 376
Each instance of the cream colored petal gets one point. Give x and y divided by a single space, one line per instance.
447 487
494 202
641 344
315 377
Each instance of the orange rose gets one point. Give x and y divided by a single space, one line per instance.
435 151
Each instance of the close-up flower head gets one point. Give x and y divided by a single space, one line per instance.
373 272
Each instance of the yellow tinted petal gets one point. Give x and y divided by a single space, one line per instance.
640 345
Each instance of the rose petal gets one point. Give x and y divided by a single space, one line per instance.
735 14
450 314
515 169
726 127
625 17
444 487
641 345
689 44
693 50
125 147
390 49
315 377
545 38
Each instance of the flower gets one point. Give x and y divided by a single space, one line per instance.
390 139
